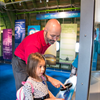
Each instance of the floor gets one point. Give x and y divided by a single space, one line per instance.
7 84
94 93
95 86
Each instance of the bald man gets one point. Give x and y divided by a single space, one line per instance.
37 42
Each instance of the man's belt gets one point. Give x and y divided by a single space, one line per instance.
19 58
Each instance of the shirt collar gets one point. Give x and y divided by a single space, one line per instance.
42 39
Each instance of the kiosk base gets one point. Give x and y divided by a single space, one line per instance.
68 92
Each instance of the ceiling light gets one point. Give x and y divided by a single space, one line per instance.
47 0
19 3
40 1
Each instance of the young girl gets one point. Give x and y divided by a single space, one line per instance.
36 70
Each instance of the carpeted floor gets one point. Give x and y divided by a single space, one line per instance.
7 84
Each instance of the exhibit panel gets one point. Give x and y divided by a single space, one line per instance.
0 36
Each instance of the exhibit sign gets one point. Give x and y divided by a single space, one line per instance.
0 49
7 43
0 41
33 29
68 14
68 42
19 31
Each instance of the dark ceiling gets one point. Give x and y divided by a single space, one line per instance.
28 9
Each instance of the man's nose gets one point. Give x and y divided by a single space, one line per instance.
55 38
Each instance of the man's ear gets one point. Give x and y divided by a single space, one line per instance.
45 31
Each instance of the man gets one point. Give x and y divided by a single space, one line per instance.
37 42
95 51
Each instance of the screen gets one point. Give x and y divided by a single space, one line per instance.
57 46
77 47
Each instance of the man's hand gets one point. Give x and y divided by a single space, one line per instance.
55 82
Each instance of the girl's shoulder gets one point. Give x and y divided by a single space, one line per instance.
28 85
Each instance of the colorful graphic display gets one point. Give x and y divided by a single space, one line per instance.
68 14
7 43
0 41
19 31
33 29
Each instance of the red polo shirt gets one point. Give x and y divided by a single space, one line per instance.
31 44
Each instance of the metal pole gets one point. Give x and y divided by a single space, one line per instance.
85 51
